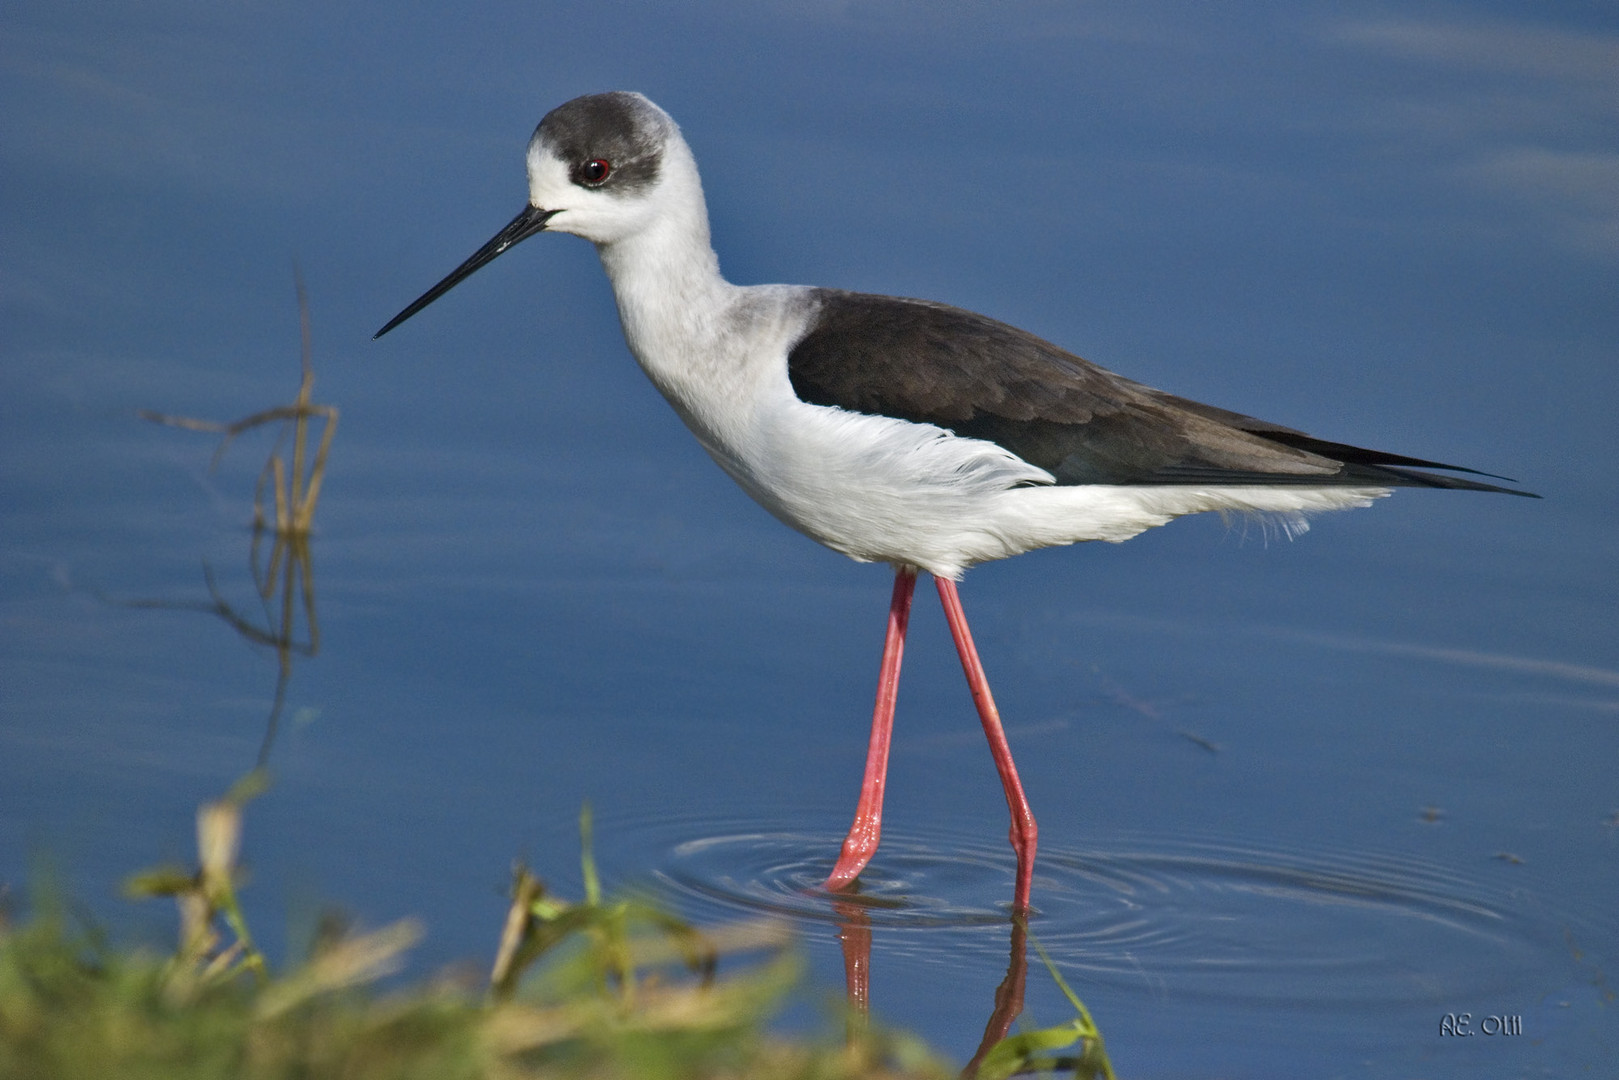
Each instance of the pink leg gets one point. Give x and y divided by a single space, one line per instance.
1025 833
861 843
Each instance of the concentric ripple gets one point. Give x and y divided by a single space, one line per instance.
1165 915
915 884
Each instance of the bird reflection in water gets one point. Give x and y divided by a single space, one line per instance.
999 1054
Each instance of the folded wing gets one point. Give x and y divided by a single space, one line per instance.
935 364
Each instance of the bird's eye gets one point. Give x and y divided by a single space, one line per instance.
595 170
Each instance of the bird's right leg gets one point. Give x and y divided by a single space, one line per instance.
1025 833
861 843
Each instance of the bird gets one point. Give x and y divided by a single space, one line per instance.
902 431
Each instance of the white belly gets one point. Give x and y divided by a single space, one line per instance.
884 490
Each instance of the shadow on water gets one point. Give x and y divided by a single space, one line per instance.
282 569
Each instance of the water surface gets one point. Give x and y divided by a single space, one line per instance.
1299 799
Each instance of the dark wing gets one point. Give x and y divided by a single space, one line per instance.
932 363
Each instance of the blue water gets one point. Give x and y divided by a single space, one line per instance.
1299 800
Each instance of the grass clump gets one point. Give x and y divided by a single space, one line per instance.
596 988
72 1006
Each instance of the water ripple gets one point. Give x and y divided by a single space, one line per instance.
1248 923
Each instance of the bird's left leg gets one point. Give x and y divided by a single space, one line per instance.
1025 833
861 843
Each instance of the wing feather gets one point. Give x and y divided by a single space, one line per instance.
935 364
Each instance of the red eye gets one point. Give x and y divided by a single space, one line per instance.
595 171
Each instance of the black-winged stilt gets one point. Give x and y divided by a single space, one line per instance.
901 431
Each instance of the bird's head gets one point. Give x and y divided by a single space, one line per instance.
604 167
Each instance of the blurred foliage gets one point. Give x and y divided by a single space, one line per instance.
598 988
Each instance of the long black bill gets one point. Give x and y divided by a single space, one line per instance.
521 227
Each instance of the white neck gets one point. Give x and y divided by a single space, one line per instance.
670 292
716 351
